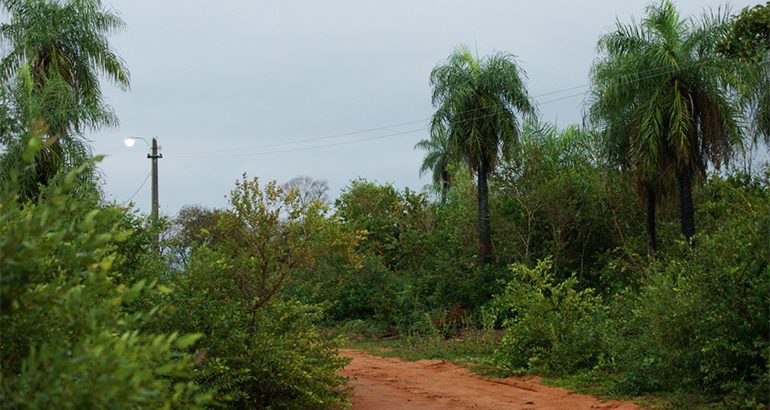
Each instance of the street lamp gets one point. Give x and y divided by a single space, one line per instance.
154 155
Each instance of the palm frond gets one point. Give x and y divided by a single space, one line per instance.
663 97
476 102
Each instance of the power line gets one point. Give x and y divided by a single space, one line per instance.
646 77
656 72
227 151
223 154
346 134
364 131
249 154
577 87
564 98
137 190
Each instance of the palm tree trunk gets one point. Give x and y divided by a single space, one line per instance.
686 209
444 185
652 240
48 162
485 234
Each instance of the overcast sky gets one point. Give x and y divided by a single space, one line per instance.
235 86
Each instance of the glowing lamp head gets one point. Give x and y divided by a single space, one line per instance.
129 142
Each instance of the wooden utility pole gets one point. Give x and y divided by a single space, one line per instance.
154 156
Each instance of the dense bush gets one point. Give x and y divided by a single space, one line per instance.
700 319
693 318
261 348
550 326
272 356
71 327
557 199
418 267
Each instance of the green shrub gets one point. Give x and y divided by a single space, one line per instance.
261 349
700 322
272 356
554 199
418 258
550 327
70 327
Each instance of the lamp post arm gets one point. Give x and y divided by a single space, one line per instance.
143 139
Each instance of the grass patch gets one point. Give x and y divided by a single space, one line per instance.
472 349
598 384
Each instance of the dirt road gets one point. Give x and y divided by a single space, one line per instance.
387 383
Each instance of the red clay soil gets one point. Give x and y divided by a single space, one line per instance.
387 383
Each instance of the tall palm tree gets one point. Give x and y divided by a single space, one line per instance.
54 54
438 158
476 103
665 99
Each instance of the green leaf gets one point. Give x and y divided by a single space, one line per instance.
33 146
188 340
134 292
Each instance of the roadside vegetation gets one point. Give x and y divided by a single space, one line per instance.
628 256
